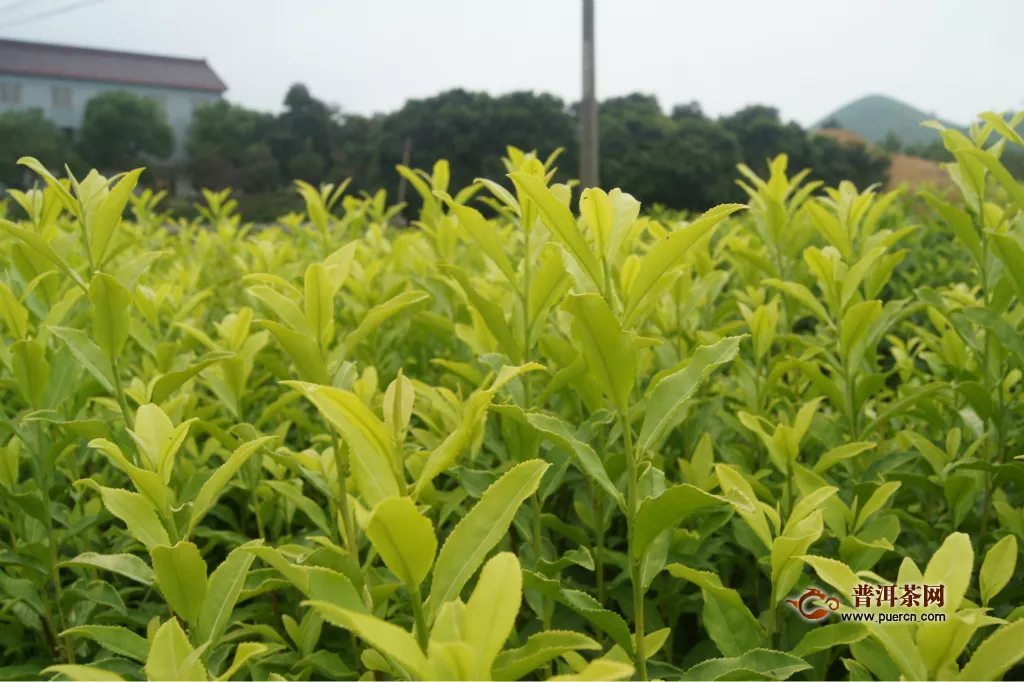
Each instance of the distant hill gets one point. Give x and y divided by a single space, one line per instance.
875 116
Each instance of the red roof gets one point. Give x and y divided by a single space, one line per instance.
108 66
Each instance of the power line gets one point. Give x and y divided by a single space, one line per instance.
16 4
51 13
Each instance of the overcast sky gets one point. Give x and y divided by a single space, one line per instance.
953 58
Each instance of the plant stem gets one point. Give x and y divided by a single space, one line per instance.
538 550
634 563
122 401
773 626
851 399
44 471
341 464
422 635
598 511
789 489
349 532
535 501
985 361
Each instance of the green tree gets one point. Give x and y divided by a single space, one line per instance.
762 135
470 129
686 161
307 165
120 128
892 143
833 161
29 133
260 170
305 135
220 147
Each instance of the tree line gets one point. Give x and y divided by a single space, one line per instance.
682 159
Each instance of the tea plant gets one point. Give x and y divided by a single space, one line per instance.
530 436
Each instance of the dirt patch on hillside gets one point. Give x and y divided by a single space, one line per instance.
910 170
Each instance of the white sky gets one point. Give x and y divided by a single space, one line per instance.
953 58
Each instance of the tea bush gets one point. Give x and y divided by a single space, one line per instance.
526 438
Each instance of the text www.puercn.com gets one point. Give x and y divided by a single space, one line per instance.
893 617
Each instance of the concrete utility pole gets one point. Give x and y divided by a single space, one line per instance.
589 155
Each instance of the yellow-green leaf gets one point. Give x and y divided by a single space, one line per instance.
110 304
608 351
491 611
181 576
997 568
404 538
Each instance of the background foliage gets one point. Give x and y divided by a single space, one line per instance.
682 160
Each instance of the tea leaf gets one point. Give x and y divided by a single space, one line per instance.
223 587
491 313
388 638
39 245
127 565
540 648
835 573
667 253
998 170
559 433
602 669
480 530
303 351
878 498
952 565
319 303
165 384
83 673
728 621
105 221
115 639
243 652
672 392
14 314
668 510
997 568
899 645
170 655
366 435
609 351
225 472
181 576
381 314
483 233
404 539
997 654
136 512
491 611
836 455
803 295
757 664
559 219
829 636
550 284
31 370
110 303
88 354
1010 251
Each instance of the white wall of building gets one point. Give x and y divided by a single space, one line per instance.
63 101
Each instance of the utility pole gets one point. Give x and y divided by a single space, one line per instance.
589 156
